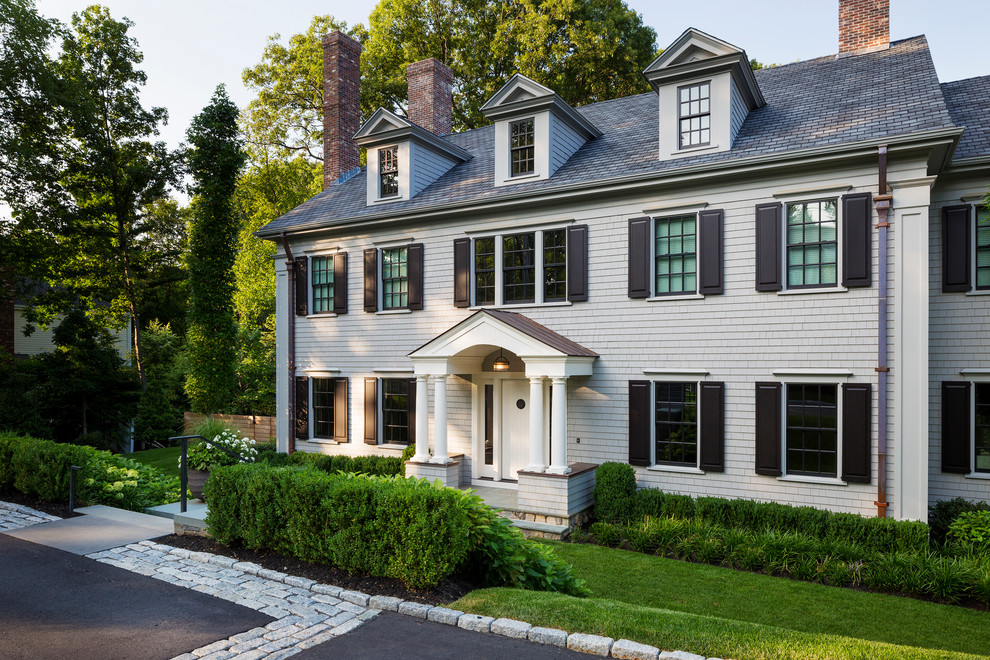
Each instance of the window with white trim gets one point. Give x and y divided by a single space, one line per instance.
323 401
694 115
395 278
522 155
812 244
395 411
675 258
982 243
388 172
811 429
321 276
981 428
523 268
675 424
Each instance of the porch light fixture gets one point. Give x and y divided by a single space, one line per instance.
500 364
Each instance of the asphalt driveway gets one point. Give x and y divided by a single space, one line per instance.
54 604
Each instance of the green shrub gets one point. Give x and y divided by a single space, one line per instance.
382 466
407 455
615 489
971 529
942 514
605 534
206 456
948 579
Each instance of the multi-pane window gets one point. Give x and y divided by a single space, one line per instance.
521 154
395 411
675 255
322 407
812 245
395 278
812 430
694 112
484 271
982 428
676 424
388 172
982 248
519 268
555 265
322 283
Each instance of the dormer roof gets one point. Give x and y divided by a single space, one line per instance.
522 95
695 54
385 126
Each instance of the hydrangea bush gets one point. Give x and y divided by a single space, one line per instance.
204 456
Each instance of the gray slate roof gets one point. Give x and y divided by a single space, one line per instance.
818 103
968 102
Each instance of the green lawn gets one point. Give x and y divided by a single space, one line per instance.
166 459
722 612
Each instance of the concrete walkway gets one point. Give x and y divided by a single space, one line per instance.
101 528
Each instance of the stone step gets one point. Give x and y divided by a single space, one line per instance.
540 530
190 522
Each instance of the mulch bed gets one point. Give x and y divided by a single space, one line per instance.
445 593
60 509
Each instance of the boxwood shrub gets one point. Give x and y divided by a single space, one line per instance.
332 464
40 468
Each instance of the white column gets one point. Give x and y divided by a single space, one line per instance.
422 454
537 462
440 421
558 427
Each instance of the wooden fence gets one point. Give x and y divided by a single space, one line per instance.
256 427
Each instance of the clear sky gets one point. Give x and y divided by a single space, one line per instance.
190 46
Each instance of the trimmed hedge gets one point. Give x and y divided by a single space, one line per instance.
407 529
619 503
41 468
384 466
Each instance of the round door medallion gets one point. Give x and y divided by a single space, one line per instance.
520 404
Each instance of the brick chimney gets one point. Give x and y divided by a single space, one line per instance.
864 26
341 105
430 95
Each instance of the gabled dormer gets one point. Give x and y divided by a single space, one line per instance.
706 89
403 158
536 131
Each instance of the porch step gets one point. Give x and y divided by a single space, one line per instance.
540 530
193 521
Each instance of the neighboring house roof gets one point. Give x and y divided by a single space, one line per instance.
824 102
968 102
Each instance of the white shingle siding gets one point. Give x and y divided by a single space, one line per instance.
426 166
564 141
739 337
737 111
958 340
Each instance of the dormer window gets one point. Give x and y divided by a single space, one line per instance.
388 171
522 155
694 111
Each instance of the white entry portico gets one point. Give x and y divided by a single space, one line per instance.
519 418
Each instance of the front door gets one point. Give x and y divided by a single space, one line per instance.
514 425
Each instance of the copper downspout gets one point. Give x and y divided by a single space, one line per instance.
882 201
290 269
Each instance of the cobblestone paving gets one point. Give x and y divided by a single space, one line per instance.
306 613
15 516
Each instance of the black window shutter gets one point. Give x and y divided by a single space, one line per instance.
340 409
956 427
411 406
414 270
710 251
857 240
371 280
371 411
639 257
577 263
302 407
768 247
956 248
340 283
639 422
462 272
302 286
712 435
768 436
857 433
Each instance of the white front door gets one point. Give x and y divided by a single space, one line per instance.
514 431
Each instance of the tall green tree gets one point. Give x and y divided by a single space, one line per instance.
215 160
79 165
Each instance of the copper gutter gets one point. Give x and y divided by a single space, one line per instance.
882 202
290 269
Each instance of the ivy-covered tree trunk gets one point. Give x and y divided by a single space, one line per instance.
215 160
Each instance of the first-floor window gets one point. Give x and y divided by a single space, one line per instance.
982 428
676 424
323 395
812 430
395 278
395 411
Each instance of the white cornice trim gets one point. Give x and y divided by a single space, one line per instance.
694 373
676 207
824 191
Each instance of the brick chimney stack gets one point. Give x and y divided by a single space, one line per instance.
341 105
864 26
431 95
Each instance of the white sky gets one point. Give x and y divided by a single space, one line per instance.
190 46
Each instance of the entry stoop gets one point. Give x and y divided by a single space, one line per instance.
192 522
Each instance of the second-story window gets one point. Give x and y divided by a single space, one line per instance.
322 275
694 115
484 271
675 255
395 278
388 172
812 244
519 268
982 248
521 154
555 265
